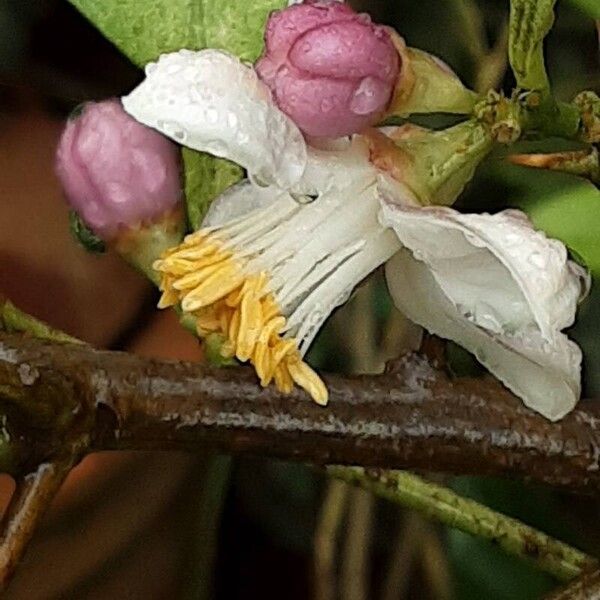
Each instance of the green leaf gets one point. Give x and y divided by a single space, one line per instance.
145 29
205 178
566 208
589 7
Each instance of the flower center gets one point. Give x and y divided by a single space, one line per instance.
212 285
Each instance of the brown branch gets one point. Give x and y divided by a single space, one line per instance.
585 587
413 418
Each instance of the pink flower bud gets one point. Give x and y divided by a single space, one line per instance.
116 172
330 69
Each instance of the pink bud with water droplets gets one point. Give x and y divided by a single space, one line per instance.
117 174
329 69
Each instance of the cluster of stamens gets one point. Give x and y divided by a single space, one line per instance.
213 285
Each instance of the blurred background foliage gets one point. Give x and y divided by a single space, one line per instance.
284 531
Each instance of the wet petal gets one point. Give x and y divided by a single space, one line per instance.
496 269
209 101
240 200
544 373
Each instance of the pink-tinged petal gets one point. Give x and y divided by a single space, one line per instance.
284 26
350 49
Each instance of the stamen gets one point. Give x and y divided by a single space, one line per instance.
209 278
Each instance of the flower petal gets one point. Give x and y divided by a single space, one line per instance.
209 101
240 200
496 269
544 373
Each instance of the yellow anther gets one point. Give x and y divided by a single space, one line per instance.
211 283
283 379
250 324
213 288
168 298
281 349
308 380
234 328
194 278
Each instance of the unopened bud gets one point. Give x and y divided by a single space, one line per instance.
123 180
330 69
116 173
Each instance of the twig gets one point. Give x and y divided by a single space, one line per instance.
13 319
585 587
412 418
442 504
29 502
435 564
355 578
408 543
330 519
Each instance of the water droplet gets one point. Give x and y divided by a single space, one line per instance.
537 260
216 147
212 115
512 238
370 96
173 69
179 134
306 47
303 198
326 104
232 119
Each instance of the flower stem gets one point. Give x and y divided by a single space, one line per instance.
442 504
530 22
14 320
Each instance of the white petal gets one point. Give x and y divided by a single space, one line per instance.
335 166
240 200
496 269
544 373
209 101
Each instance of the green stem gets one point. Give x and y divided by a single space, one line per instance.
14 320
442 504
529 23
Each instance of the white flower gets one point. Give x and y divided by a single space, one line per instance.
280 251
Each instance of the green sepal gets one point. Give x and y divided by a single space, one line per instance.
435 89
212 349
84 236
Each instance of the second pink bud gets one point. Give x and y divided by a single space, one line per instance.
330 69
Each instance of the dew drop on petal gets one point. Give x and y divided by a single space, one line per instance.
212 115
370 96
537 260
